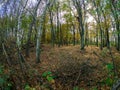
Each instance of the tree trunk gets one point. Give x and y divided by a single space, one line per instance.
98 21
73 34
116 18
52 27
80 20
30 29
38 51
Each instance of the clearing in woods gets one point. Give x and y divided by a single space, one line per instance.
73 67
62 68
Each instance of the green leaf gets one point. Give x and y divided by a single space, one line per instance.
33 89
45 74
27 87
109 81
1 69
49 78
53 77
95 88
9 84
2 81
76 88
109 66
7 88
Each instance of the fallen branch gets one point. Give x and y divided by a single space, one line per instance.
77 77
7 57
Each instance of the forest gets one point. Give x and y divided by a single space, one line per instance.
59 44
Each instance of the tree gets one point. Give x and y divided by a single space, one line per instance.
114 6
30 28
52 26
98 8
78 6
47 5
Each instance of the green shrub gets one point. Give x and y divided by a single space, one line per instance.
110 79
27 87
4 83
49 77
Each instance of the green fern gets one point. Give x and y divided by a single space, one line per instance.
3 79
109 80
48 75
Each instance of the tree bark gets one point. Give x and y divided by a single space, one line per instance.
30 29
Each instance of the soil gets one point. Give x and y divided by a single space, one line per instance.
72 68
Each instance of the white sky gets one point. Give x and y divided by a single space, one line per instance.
90 19
33 2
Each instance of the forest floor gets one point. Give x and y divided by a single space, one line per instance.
67 68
